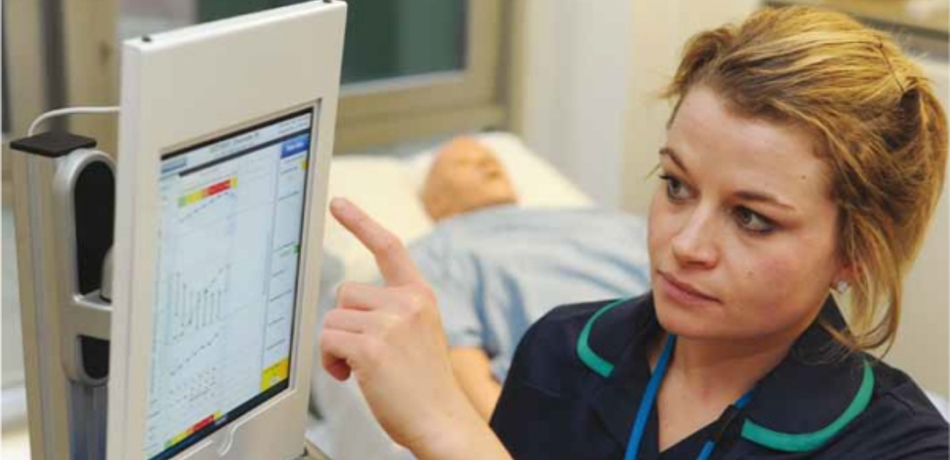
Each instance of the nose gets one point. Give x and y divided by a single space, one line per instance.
488 165
695 243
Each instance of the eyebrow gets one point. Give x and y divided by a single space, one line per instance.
746 195
673 156
762 198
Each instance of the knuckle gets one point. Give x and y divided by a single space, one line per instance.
427 295
341 291
418 299
415 307
325 341
329 319
387 326
332 318
417 313
409 300
372 350
389 244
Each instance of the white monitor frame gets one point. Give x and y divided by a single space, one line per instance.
181 88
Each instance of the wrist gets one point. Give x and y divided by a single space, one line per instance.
458 432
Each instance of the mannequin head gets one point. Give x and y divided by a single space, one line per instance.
465 176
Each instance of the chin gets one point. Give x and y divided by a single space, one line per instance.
498 199
686 322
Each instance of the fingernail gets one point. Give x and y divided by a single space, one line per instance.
338 205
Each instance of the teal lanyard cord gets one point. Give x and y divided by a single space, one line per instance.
649 400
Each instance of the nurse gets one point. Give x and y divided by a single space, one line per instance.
804 158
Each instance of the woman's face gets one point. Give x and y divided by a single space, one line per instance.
742 230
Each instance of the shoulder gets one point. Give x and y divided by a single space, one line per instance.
896 388
915 428
549 385
900 423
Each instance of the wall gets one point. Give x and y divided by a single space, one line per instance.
922 344
584 82
659 32
572 88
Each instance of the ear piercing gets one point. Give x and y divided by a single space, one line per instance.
842 286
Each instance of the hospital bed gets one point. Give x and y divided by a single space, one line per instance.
387 188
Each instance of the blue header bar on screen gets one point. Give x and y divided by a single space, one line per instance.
295 145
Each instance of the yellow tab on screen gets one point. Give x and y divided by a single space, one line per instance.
179 438
275 374
192 197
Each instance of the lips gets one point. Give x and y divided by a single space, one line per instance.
683 291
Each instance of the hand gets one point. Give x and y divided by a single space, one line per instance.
391 339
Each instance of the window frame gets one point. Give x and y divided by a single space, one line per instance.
415 107
24 53
370 114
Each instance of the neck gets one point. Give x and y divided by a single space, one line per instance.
718 371
704 376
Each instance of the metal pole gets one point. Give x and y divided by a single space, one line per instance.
59 180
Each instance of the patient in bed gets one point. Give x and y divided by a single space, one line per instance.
496 267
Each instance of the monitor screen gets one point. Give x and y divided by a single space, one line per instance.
232 212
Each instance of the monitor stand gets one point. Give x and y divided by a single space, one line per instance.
312 452
64 208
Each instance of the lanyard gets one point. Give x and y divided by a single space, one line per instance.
649 400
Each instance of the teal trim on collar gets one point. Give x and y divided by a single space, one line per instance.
597 364
807 442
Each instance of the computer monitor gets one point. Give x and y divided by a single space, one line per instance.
225 135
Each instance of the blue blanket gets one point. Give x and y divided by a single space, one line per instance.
498 270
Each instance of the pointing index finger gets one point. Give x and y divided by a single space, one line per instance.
391 256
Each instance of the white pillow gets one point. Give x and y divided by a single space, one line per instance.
387 188
381 186
536 182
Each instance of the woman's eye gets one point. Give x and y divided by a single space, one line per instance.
752 221
675 189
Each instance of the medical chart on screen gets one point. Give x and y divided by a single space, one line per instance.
226 277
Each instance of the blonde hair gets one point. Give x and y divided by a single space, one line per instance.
876 122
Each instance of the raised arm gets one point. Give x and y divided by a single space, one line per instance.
390 338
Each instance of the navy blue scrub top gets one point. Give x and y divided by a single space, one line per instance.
579 373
